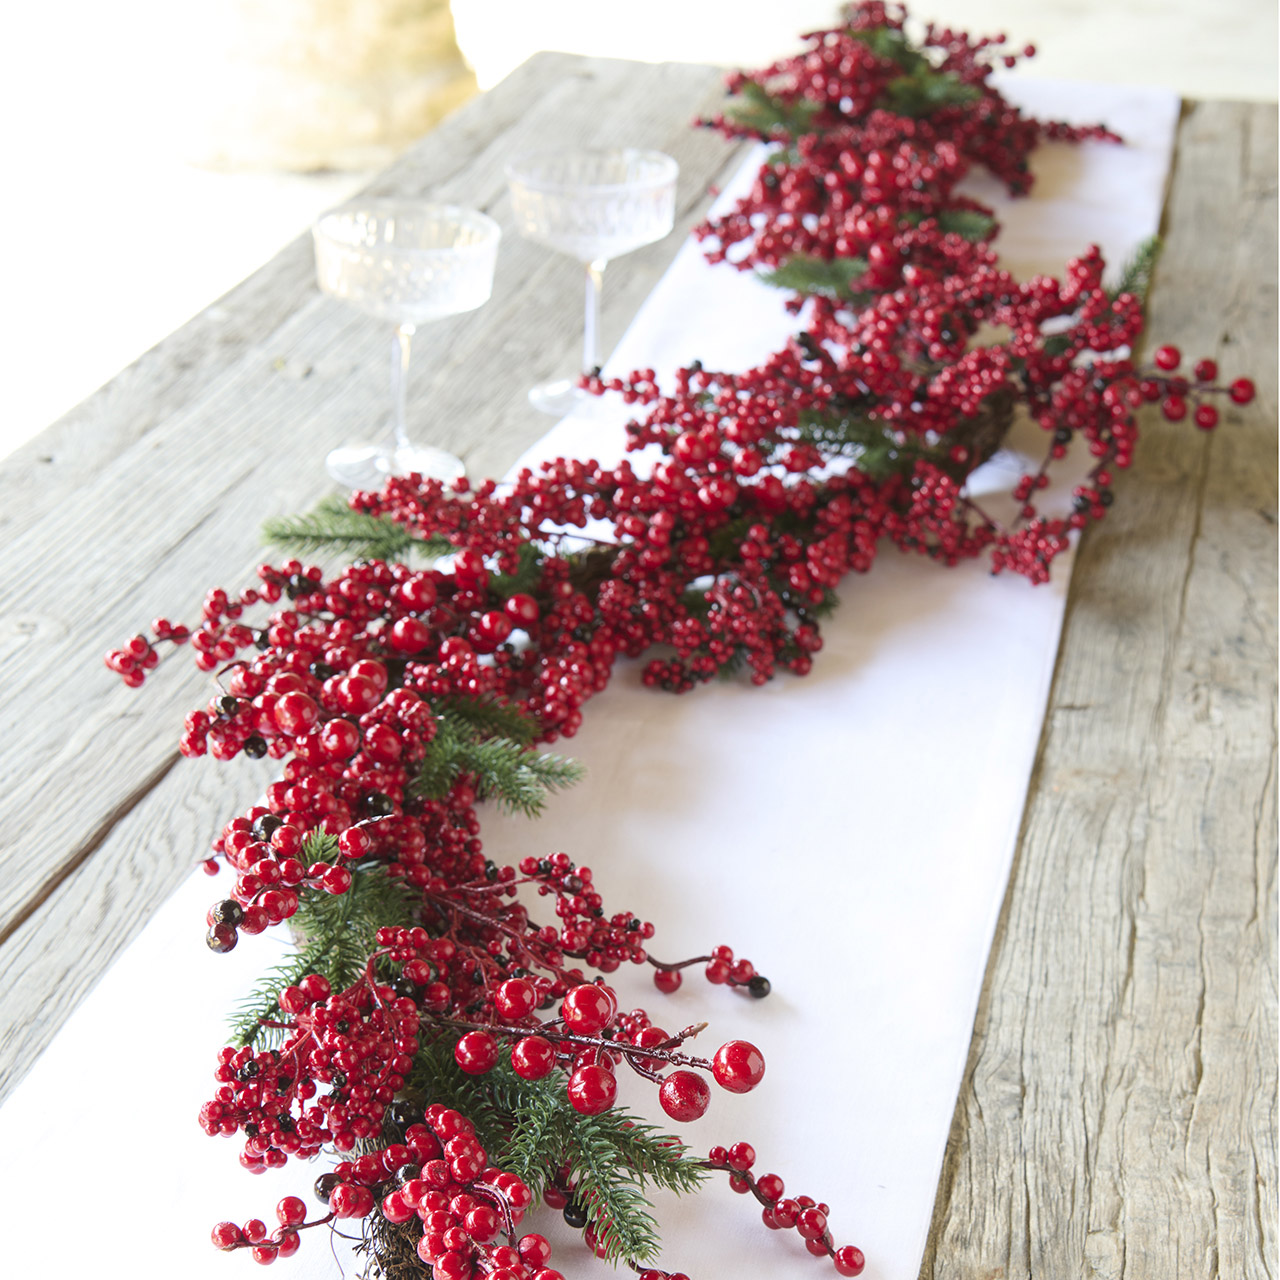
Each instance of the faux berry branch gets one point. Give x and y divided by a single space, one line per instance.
446 1043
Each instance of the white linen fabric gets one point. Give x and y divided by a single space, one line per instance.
851 833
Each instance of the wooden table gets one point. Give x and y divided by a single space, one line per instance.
1118 1113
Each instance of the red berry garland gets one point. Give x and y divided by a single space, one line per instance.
397 698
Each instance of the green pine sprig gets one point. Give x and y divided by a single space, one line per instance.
1135 277
972 224
530 1128
832 278
504 770
336 932
331 526
760 112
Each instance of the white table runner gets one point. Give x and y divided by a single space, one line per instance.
850 833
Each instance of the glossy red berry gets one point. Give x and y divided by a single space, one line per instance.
1206 370
667 980
291 1211
592 1089
1206 417
1168 358
684 1096
476 1052
1243 390
849 1261
587 1009
532 1058
515 999
738 1066
226 1235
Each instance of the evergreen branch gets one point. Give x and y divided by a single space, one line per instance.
338 933
1135 278
439 768
924 91
488 718
972 224
616 1206
770 117
339 959
891 44
332 526
831 277
505 770
612 1157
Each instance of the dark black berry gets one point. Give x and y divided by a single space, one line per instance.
759 986
255 748
228 911
575 1215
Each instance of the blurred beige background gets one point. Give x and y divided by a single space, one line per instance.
158 152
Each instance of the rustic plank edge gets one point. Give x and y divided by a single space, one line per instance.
1117 1116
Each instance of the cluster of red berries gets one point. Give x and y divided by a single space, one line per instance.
283 1242
588 1041
873 157
438 1183
806 1215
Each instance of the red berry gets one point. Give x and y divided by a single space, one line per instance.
395 1208
532 1058
849 1261
592 1089
1242 390
1206 417
255 1231
1168 358
587 1009
522 610
476 1052
812 1223
738 1066
667 980
684 1096
295 713
350 1201
1206 370
291 1211
287 1242
770 1186
1174 408
515 999
226 1235
410 635
535 1250
742 1155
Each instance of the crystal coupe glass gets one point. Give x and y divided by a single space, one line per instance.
593 206
407 262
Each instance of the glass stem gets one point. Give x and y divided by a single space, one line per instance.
591 324
399 383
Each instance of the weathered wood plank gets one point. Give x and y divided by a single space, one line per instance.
1118 1114
171 510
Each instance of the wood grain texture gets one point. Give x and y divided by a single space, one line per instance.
1118 1113
160 483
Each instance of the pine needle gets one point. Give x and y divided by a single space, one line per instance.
830 277
332 526
1136 276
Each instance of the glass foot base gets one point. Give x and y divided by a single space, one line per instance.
367 466
557 397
